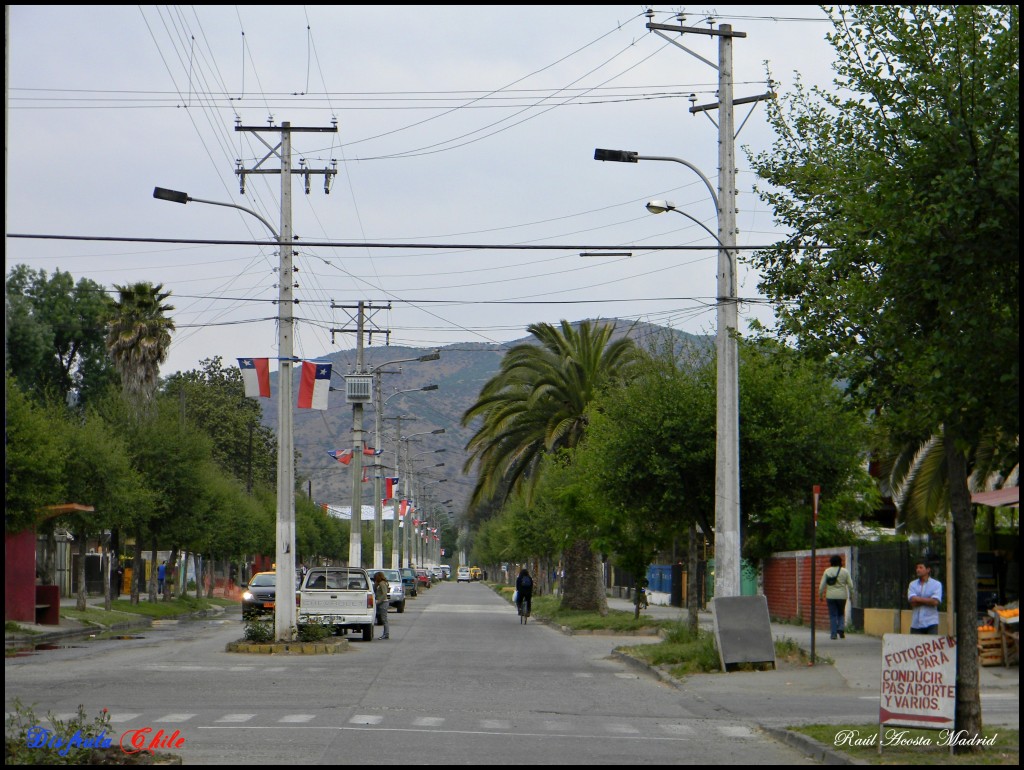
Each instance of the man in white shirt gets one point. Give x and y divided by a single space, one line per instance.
925 596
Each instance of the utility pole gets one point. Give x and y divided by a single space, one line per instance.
727 464
396 533
284 615
358 390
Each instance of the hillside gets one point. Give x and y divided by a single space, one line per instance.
459 374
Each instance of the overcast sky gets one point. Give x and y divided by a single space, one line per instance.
456 125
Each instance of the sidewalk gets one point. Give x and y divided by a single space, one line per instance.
37 634
857 658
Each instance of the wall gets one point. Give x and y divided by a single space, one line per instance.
20 576
791 584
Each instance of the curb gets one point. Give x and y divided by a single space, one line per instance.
817 751
291 648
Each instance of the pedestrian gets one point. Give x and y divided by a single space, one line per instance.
835 588
925 596
524 592
161 577
382 593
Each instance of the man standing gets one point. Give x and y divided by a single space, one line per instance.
925 596
161 577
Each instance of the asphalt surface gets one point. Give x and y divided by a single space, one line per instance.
843 687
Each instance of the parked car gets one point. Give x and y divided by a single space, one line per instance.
260 595
447 570
463 576
422 578
436 573
397 595
409 581
475 573
340 597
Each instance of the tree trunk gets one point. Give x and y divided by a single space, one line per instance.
199 577
153 567
692 586
968 697
583 586
170 575
137 566
80 604
210 580
107 565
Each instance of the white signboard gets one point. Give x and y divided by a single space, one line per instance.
918 681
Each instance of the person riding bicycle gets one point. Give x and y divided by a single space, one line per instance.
524 592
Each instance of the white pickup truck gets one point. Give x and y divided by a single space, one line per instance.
341 597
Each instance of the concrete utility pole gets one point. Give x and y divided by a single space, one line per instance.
284 613
358 390
727 464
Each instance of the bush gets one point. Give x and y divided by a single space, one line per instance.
28 741
259 631
313 631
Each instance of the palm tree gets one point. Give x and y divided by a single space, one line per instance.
916 476
138 338
536 405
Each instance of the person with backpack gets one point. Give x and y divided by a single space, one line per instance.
524 592
835 588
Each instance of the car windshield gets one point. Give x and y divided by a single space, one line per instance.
391 575
263 580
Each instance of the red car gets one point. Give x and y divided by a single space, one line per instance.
423 578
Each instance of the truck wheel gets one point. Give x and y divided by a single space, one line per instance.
368 633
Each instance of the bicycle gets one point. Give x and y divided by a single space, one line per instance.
641 599
524 611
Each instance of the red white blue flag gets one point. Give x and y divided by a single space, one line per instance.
255 377
343 456
314 385
390 482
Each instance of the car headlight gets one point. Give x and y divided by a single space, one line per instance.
247 596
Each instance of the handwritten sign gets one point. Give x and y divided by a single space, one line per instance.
918 681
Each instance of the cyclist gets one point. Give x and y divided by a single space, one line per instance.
524 589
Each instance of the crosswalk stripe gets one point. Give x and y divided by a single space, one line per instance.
428 721
174 718
292 718
236 718
366 719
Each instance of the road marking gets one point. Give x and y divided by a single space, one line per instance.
236 718
622 729
583 676
471 609
366 719
428 721
294 718
118 718
495 724
174 718
627 676
735 731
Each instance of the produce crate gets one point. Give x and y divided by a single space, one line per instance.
990 648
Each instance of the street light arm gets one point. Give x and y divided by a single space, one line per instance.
162 193
660 207
628 156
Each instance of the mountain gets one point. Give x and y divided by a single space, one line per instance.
459 373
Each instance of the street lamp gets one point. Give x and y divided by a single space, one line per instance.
727 434
284 614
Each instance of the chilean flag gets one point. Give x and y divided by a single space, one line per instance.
343 456
255 377
314 385
390 482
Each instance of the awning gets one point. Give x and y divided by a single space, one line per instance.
1007 497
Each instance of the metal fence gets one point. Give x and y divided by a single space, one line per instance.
883 572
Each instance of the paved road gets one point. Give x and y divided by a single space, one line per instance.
460 682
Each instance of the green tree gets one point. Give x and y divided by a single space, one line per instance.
537 404
213 399
34 458
138 338
54 334
98 472
897 188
